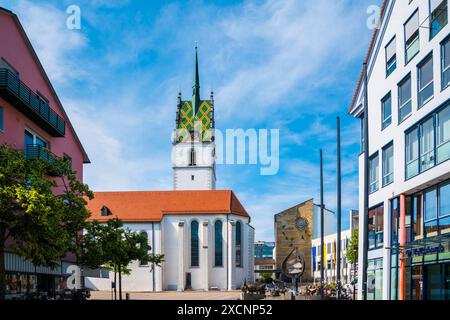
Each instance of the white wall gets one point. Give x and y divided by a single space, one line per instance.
217 276
203 172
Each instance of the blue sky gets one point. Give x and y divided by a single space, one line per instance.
288 65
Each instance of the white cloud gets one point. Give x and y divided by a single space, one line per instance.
45 25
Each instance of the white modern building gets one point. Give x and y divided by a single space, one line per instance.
204 234
348 272
408 78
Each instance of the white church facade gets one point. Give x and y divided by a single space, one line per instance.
204 234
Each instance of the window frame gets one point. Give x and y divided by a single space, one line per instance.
444 69
375 223
216 265
383 152
377 181
238 248
388 120
394 57
191 251
417 127
428 58
401 106
406 40
431 21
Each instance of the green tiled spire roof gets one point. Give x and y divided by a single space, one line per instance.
196 113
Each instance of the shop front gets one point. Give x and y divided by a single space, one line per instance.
26 281
424 257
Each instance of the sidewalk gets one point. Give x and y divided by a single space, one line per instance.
170 295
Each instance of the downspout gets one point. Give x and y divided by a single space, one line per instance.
153 263
228 267
402 241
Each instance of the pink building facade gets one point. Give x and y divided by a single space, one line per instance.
32 120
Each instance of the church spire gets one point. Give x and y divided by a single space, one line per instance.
196 87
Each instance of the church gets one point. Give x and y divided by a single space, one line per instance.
204 233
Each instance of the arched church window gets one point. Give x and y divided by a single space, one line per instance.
145 244
239 244
218 244
195 244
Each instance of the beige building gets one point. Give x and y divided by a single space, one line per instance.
294 229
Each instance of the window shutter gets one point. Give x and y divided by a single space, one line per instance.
391 49
412 25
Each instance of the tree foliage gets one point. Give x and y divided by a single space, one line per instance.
352 251
40 215
110 244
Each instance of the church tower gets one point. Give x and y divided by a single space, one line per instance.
193 153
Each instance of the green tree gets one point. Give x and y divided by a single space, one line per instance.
352 251
42 226
110 244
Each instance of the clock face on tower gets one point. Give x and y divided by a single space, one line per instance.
301 224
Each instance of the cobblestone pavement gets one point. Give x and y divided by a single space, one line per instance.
171 295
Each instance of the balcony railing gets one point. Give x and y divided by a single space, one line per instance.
38 152
18 94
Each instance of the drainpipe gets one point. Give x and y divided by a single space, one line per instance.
402 241
227 250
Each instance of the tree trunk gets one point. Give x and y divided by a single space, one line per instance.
2 264
115 283
120 282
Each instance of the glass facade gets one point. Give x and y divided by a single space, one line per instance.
375 279
427 252
428 143
439 16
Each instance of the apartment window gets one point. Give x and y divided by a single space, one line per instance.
388 164
391 57
218 244
445 57
443 135
373 178
2 126
375 227
427 145
412 44
438 17
238 244
422 150
32 139
426 90
386 106
404 99
195 244
412 154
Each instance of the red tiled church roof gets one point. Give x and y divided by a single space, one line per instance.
151 206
